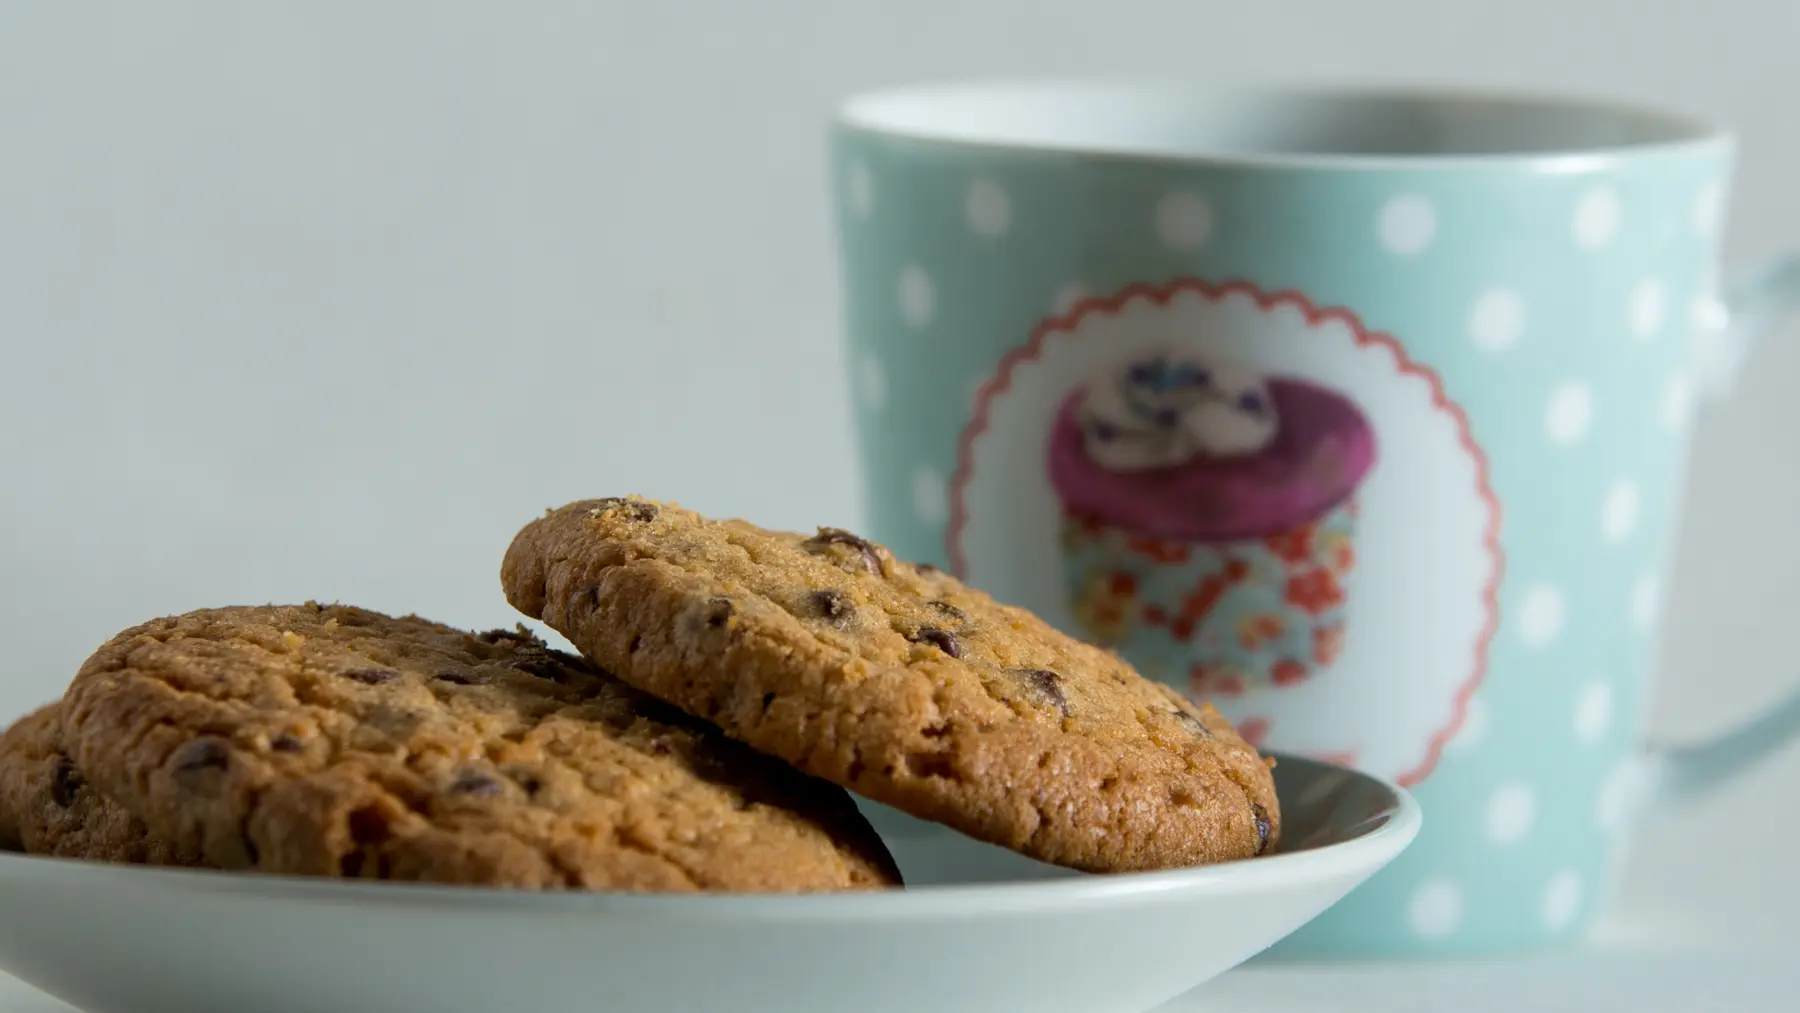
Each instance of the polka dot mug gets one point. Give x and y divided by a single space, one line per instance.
1362 414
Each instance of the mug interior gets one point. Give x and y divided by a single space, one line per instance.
1173 122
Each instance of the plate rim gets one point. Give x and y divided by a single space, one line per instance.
1361 855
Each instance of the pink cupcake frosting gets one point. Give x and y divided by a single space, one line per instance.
1323 451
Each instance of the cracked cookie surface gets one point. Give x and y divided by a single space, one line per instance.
336 741
48 808
898 682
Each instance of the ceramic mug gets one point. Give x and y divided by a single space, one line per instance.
1362 414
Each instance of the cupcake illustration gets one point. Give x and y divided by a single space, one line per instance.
1209 518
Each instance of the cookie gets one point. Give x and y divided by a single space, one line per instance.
48 808
899 682
336 741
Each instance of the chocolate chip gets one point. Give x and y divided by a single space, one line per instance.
1192 724
838 536
1263 826
517 635
525 778
1046 684
65 781
285 743
372 676
945 608
834 606
200 755
927 568
455 678
540 663
662 745
939 638
479 785
719 611
634 509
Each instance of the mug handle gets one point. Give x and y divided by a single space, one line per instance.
1755 303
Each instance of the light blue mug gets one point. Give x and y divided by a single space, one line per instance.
1362 414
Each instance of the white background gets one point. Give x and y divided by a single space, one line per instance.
326 299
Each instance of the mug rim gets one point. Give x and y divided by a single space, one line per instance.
881 113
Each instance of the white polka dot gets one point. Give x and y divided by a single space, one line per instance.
918 297
1408 223
1184 220
1497 319
1709 209
1570 410
1435 909
1708 316
1609 805
1677 402
1596 217
1562 899
1619 514
1593 711
1510 812
872 378
1646 601
1648 308
1474 727
1714 352
988 208
1541 615
929 503
1066 297
1619 796
860 188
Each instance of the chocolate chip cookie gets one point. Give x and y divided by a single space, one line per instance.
899 682
336 741
48 808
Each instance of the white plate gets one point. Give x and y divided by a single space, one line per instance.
977 928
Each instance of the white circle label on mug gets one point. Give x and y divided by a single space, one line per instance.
1250 498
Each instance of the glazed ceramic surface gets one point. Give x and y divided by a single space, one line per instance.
1362 414
977 929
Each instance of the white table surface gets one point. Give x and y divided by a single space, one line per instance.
1719 936
1627 979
